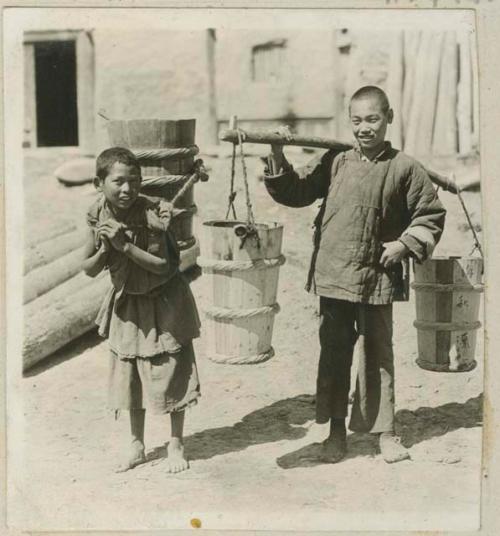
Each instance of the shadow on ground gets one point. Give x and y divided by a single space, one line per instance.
283 420
287 419
412 426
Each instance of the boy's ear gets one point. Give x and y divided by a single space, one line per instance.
390 116
97 184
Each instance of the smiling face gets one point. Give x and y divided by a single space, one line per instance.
369 123
121 186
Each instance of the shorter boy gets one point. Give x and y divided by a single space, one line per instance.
379 207
149 315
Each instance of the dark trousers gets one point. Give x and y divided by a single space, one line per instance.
342 323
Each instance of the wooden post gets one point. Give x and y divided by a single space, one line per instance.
30 137
475 90
411 45
395 89
464 95
85 78
444 140
419 136
212 129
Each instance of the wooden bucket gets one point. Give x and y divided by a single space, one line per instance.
166 152
448 294
244 283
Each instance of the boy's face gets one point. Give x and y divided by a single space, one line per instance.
369 122
121 186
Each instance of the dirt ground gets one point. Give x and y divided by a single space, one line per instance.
251 437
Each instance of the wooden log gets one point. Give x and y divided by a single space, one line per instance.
46 277
395 89
444 140
69 310
49 250
65 320
53 232
464 94
271 137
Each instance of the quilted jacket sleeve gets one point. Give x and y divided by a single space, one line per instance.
299 188
425 211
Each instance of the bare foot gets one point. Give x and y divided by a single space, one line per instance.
137 456
391 448
334 448
176 461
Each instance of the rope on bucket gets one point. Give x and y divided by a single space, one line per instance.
477 244
249 229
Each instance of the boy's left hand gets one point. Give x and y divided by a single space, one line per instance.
114 232
393 253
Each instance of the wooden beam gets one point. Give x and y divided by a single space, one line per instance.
273 138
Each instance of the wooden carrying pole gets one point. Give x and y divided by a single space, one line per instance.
272 137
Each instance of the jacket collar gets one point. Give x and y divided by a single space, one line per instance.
385 150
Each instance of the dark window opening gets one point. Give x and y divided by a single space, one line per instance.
268 61
56 106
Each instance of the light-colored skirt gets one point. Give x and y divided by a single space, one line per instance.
161 384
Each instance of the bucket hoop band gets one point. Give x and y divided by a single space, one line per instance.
172 153
447 326
447 287
224 313
235 266
242 359
446 367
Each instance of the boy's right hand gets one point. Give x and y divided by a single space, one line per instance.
105 246
276 157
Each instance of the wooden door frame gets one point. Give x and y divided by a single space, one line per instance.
85 81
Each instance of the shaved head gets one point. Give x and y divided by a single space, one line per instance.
372 92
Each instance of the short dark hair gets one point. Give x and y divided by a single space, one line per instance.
108 157
371 92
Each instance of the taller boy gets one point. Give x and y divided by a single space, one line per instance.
379 206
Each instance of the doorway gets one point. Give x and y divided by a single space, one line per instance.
56 93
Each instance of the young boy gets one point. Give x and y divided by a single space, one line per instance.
379 207
149 315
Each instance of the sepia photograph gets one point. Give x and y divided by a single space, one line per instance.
249 247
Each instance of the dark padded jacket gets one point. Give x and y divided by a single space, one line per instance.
365 203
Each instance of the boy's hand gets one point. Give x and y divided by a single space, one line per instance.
393 253
105 246
276 157
114 232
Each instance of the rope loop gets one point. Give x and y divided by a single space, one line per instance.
224 313
216 265
166 153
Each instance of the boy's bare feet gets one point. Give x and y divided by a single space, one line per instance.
391 448
334 448
137 456
176 461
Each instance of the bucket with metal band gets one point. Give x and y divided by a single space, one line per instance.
448 295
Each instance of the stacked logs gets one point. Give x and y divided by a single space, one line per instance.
60 302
